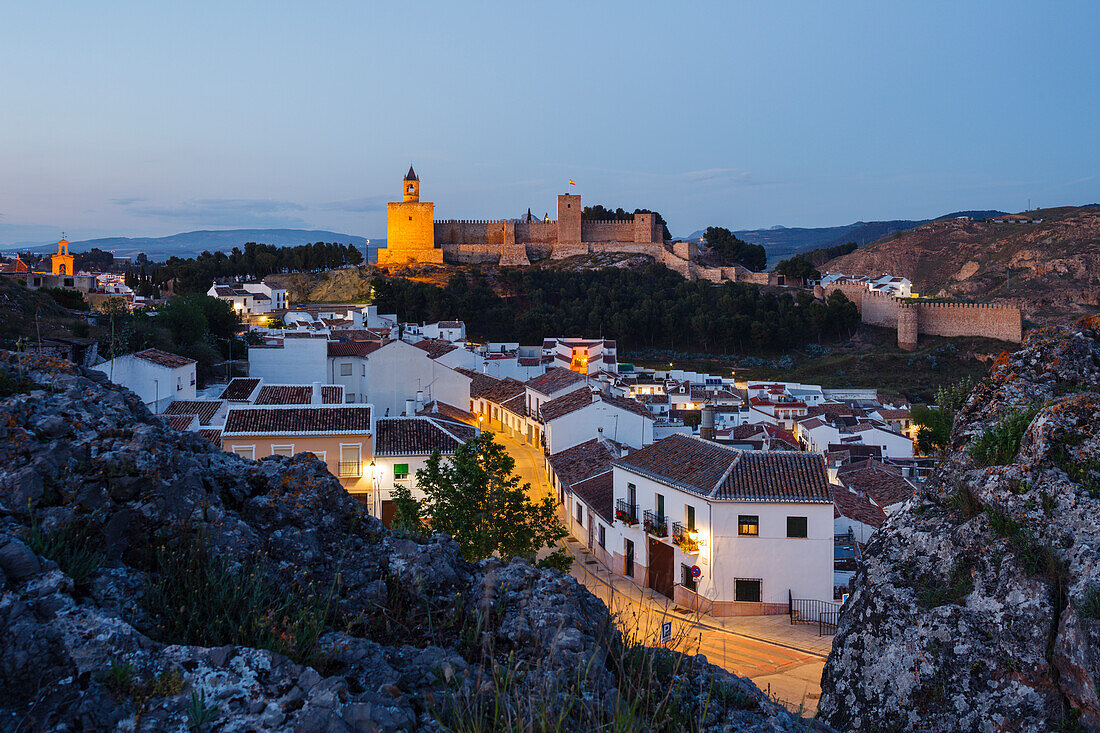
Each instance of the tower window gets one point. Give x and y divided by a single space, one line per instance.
410 218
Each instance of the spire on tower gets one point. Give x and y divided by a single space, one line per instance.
411 175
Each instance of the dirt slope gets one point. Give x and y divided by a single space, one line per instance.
1049 270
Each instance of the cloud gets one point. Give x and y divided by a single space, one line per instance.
728 176
227 212
126 201
357 206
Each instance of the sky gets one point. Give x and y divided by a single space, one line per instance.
149 118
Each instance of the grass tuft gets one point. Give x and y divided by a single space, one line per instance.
999 444
73 547
932 592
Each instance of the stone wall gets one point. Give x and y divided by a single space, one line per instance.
877 309
607 231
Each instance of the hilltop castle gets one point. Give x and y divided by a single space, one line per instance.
414 236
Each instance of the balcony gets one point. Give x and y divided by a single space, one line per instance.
351 469
626 512
684 538
656 524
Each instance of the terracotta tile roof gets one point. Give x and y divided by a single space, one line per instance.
882 483
849 451
503 390
895 414
450 324
581 462
718 472
356 334
203 409
553 380
163 358
412 436
480 384
580 398
598 493
529 361
516 405
450 412
435 347
811 423
328 420
240 388
860 508
213 435
352 348
298 394
179 422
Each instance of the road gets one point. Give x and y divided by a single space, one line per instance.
788 672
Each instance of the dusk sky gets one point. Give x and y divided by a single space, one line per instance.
145 119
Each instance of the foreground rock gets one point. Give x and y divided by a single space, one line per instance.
133 558
979 606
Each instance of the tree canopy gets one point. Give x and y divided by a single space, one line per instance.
734 251
477 499
798 266
935 421
646 308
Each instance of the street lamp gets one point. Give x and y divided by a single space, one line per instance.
375 476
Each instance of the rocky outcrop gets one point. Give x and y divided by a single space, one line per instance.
149 581
978 607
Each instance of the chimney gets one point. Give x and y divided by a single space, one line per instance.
315 395
706 423
419 399
410 408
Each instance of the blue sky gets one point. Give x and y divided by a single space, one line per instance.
145 119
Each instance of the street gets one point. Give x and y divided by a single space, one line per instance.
784 660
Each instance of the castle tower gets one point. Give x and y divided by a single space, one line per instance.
410 228
62 262
908 326
569 219
411 191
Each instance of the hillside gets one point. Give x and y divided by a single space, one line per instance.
189 244
151 582
31 313
1049 270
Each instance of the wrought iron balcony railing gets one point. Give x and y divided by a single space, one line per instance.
626 512
351 469
656 524
684 537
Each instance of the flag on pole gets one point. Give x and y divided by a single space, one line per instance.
572 182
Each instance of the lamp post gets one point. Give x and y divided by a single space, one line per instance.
156 399
375 480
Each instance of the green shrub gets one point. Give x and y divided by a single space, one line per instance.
932 592
1083 472
198 596
966 502
1033 556
74 547
1090 605
13 383
999 444
199 713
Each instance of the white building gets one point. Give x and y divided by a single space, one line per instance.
757 525
581 415
553 383
582 355
155 376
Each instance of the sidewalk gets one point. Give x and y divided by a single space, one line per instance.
776 630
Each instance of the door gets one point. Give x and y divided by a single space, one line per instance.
387 512
628 559
591 524
660 577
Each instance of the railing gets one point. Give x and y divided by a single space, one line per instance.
682 536
826 614
351 469
656 524
626 512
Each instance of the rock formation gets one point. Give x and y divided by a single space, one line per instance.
978 608
149 581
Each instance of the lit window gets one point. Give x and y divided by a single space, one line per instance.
748 525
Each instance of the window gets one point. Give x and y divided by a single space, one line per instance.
689 517
345 369
601 536
245 451
686 578
796 526
748 525
319 455
631 494
628 558
747 590
580 512
282 450
660 505
364 370
350 466
400 471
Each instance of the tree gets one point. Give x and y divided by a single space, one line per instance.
935 421
734 251
798 266
475 497
406 510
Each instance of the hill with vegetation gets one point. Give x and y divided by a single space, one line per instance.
1050 269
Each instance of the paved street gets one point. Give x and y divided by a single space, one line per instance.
782 659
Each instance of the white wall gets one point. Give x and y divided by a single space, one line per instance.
157 386
398 370
801 566
580 425
298 361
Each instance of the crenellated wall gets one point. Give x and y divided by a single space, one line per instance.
910 318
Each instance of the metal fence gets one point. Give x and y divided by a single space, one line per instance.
826 614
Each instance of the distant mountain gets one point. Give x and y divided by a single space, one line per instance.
1049 269
189 244
781 242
